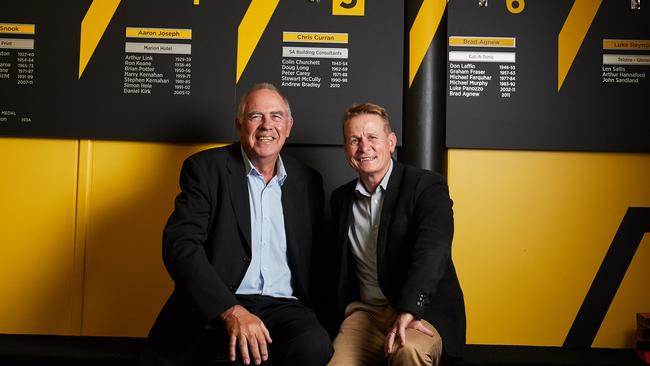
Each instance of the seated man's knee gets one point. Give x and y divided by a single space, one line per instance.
314 345
414 353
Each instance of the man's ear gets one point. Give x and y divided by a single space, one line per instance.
392 138
290 126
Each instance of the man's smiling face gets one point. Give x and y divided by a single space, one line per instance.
368 145
264 126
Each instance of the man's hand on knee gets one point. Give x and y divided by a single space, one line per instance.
249 332
403 321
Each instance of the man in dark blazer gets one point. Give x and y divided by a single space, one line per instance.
398 295
238 248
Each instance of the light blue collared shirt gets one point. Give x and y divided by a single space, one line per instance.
268 272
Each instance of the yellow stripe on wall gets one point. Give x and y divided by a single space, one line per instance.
250 30
631 298
422 31
93 27
573 34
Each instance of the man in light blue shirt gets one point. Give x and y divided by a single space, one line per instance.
268 273
238 247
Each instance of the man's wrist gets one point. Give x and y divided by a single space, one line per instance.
230 312
415 316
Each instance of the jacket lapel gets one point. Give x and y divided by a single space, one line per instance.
239 193
390 199
345 219
290 193
348 266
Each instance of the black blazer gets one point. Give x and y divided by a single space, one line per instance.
415 270
207 244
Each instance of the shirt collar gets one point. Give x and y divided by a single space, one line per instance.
250 169
382 185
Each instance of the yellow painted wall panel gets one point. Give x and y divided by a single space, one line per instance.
132 188
532 229
38 193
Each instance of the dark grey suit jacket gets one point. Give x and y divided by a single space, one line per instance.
207 244
415 269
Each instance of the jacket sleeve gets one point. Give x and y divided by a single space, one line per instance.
431 254
184 237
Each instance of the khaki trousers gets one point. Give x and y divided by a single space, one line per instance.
362 337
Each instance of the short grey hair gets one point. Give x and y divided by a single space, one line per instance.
266 86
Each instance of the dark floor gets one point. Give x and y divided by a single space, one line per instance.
68 350
113 351
485 355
